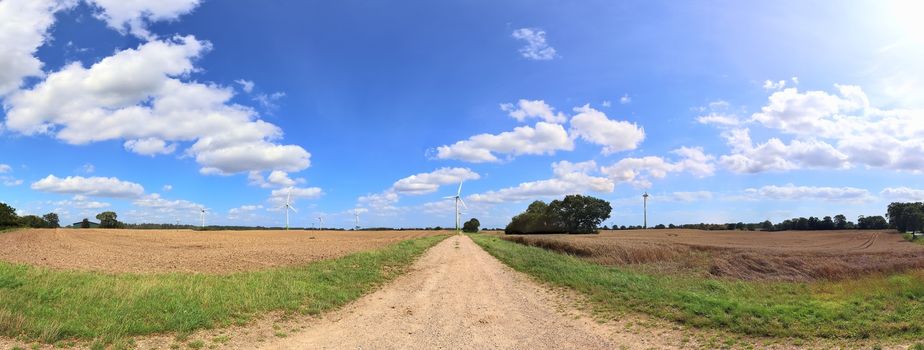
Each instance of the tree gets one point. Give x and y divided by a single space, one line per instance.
766 225
573 214
471 226
32 221
108 219
8 217
840 221
872 223
906 216
85 223
51 220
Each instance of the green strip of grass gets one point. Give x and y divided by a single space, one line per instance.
883 307
49 305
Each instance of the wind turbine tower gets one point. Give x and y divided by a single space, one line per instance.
202 217
458 199
356 219
288 206
645 205
320 222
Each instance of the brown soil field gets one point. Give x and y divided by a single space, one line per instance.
786 256
157 251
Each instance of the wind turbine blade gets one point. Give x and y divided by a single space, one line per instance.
293 208
463 203
449 197
289 196
459 192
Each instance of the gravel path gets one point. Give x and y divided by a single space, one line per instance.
457 296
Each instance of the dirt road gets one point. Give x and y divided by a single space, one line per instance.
457 296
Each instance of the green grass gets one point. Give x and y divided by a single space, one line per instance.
50 305
881 307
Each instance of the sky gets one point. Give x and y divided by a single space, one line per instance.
722 111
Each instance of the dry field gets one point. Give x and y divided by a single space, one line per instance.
153 251
785 256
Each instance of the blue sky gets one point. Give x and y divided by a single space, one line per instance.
723 111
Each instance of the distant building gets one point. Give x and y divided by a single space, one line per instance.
77 224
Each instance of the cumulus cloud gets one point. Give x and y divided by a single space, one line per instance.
793 192
24 26
903 194
775 155
533 109
545 138
134 16
5 168
81 202
569 178
89 186
244 212
593 126
424 183
278 196
137 95
275 179
536 47
771 85
639 171
154 202
167 188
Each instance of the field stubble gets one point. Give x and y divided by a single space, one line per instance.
779 256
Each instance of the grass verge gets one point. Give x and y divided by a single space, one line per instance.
50 305
876 306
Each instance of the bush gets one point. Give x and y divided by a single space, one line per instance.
471 226
8 217
573 214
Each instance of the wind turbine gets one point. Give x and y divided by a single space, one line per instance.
645 201
288 206
458 198
356 218
320 222
202 217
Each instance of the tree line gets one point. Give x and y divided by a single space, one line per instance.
9 219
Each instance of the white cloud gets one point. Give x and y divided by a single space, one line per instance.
533 109
136 95
23 29
606 103
625 99
380 202
268 101
89 186
167 188
570 178
154 202
770 85
150 146
81 202
545 138
424 183
134 16
793 192
275 179
719 119
775 155
536 47
246 85
88 168
278 196
593 126
6 179
10 181
244 212
639 171
694 196
903 194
